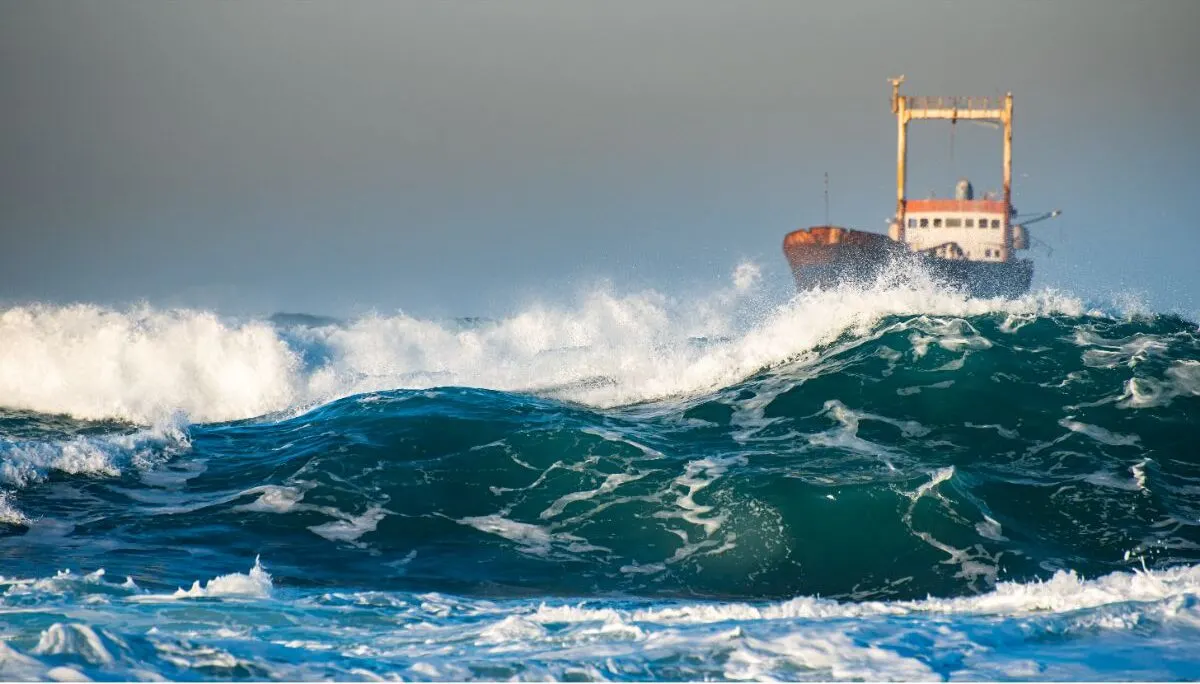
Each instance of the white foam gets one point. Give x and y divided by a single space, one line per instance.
801 638
66 674
989 528
45 584
26 462
1181 379
1138 470
935 478
511 628
351 528
845 436
75 639
1129 352
272 499
426 670
973 563
186 655
23 462
1098 433
698 475
9 515
142 364
16 666
829 655
611 482
255 584
531 538
1064 592
1186 377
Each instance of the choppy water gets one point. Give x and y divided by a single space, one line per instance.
887 484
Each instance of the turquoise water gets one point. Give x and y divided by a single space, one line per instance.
882 484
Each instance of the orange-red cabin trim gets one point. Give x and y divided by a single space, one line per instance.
913 206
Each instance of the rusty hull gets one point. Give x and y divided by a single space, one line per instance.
826 256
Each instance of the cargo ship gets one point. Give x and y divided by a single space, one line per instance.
965 243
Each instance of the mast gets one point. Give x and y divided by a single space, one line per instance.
900 109
1008 210
826 198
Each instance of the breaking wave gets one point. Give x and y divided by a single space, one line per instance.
144 364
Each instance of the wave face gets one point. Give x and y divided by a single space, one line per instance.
896 483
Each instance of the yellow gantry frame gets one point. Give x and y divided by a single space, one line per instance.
907 108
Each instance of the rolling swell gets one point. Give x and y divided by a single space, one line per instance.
905 455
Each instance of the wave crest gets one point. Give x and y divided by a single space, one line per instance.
143 364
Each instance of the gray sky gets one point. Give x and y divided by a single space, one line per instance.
454 158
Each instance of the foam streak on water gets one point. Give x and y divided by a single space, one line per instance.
889 483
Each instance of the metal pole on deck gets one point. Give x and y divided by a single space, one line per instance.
826 198
1007 121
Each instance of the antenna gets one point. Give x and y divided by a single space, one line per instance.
826 198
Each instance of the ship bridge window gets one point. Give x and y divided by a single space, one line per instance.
970 222
912 223
995 223
937 223
982 222
924 223
953 223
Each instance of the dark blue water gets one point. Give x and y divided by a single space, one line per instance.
881 485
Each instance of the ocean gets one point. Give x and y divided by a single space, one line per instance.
893 483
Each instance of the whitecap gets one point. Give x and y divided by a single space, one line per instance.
255 584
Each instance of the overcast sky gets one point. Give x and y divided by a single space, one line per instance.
461 158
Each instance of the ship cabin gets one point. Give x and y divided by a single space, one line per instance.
960 228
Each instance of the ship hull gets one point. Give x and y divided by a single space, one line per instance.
828 257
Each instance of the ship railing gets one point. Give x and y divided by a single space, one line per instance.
954 102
